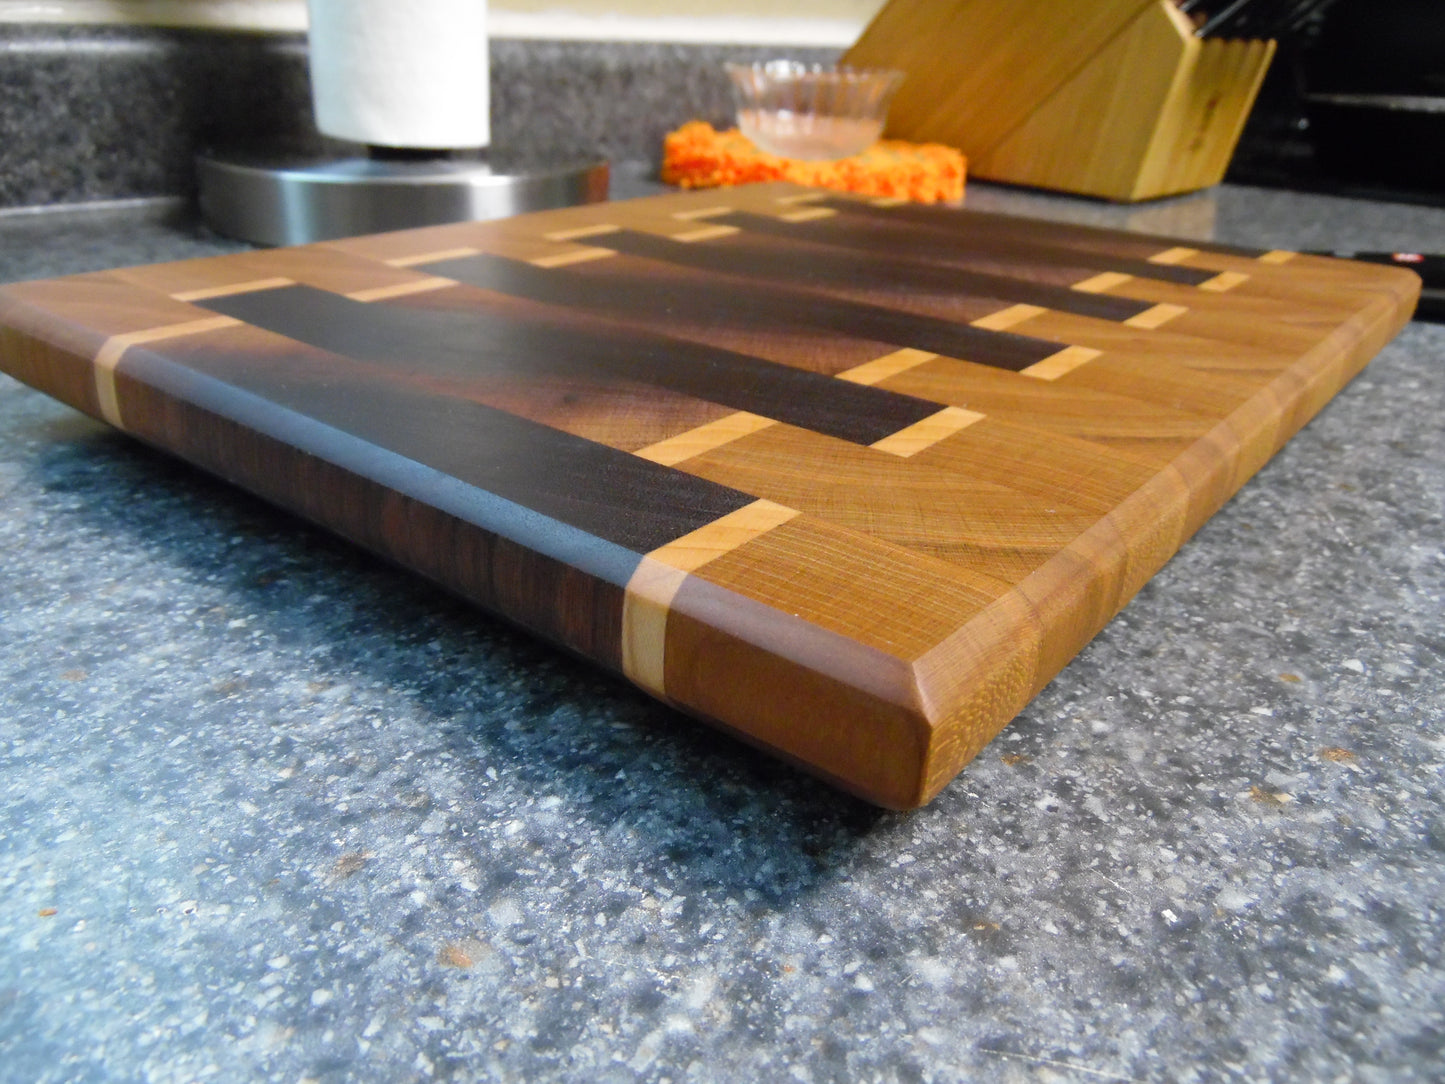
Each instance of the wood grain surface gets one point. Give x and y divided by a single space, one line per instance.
850 479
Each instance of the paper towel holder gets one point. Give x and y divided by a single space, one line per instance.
402 92
279 198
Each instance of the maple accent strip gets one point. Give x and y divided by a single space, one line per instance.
645 606
880 369
581 231
577 255
1173 255
1278 255
114 348
1157 316
1009 317
809 214
723 535
704 212
925 434
1225 280
661 573
401 289
705 233
1104 280
704 438
631 290
431 257
768 251
1065 361
233 288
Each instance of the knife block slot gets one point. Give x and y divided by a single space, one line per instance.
1111 98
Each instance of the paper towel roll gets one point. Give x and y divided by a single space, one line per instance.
401 73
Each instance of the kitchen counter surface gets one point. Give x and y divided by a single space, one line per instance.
270 809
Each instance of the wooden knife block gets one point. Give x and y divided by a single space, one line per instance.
1109 98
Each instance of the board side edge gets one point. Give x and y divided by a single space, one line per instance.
974 683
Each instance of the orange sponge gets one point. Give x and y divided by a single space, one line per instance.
699 156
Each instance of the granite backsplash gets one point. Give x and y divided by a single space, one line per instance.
106 113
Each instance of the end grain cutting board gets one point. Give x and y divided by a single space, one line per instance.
851 479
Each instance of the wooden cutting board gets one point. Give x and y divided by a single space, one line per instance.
851 479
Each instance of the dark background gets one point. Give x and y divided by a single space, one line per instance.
1354 101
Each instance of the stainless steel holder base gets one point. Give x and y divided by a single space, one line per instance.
281 200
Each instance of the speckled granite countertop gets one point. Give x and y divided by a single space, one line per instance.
272 810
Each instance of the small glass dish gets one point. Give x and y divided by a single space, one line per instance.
814 112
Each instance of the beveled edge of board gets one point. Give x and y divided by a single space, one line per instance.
997 663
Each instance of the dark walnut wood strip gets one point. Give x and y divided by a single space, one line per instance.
816 267
798 345
623 290
1310 280
967 223
559 580
1030 260
967 513
1254 314
611 495
479 338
